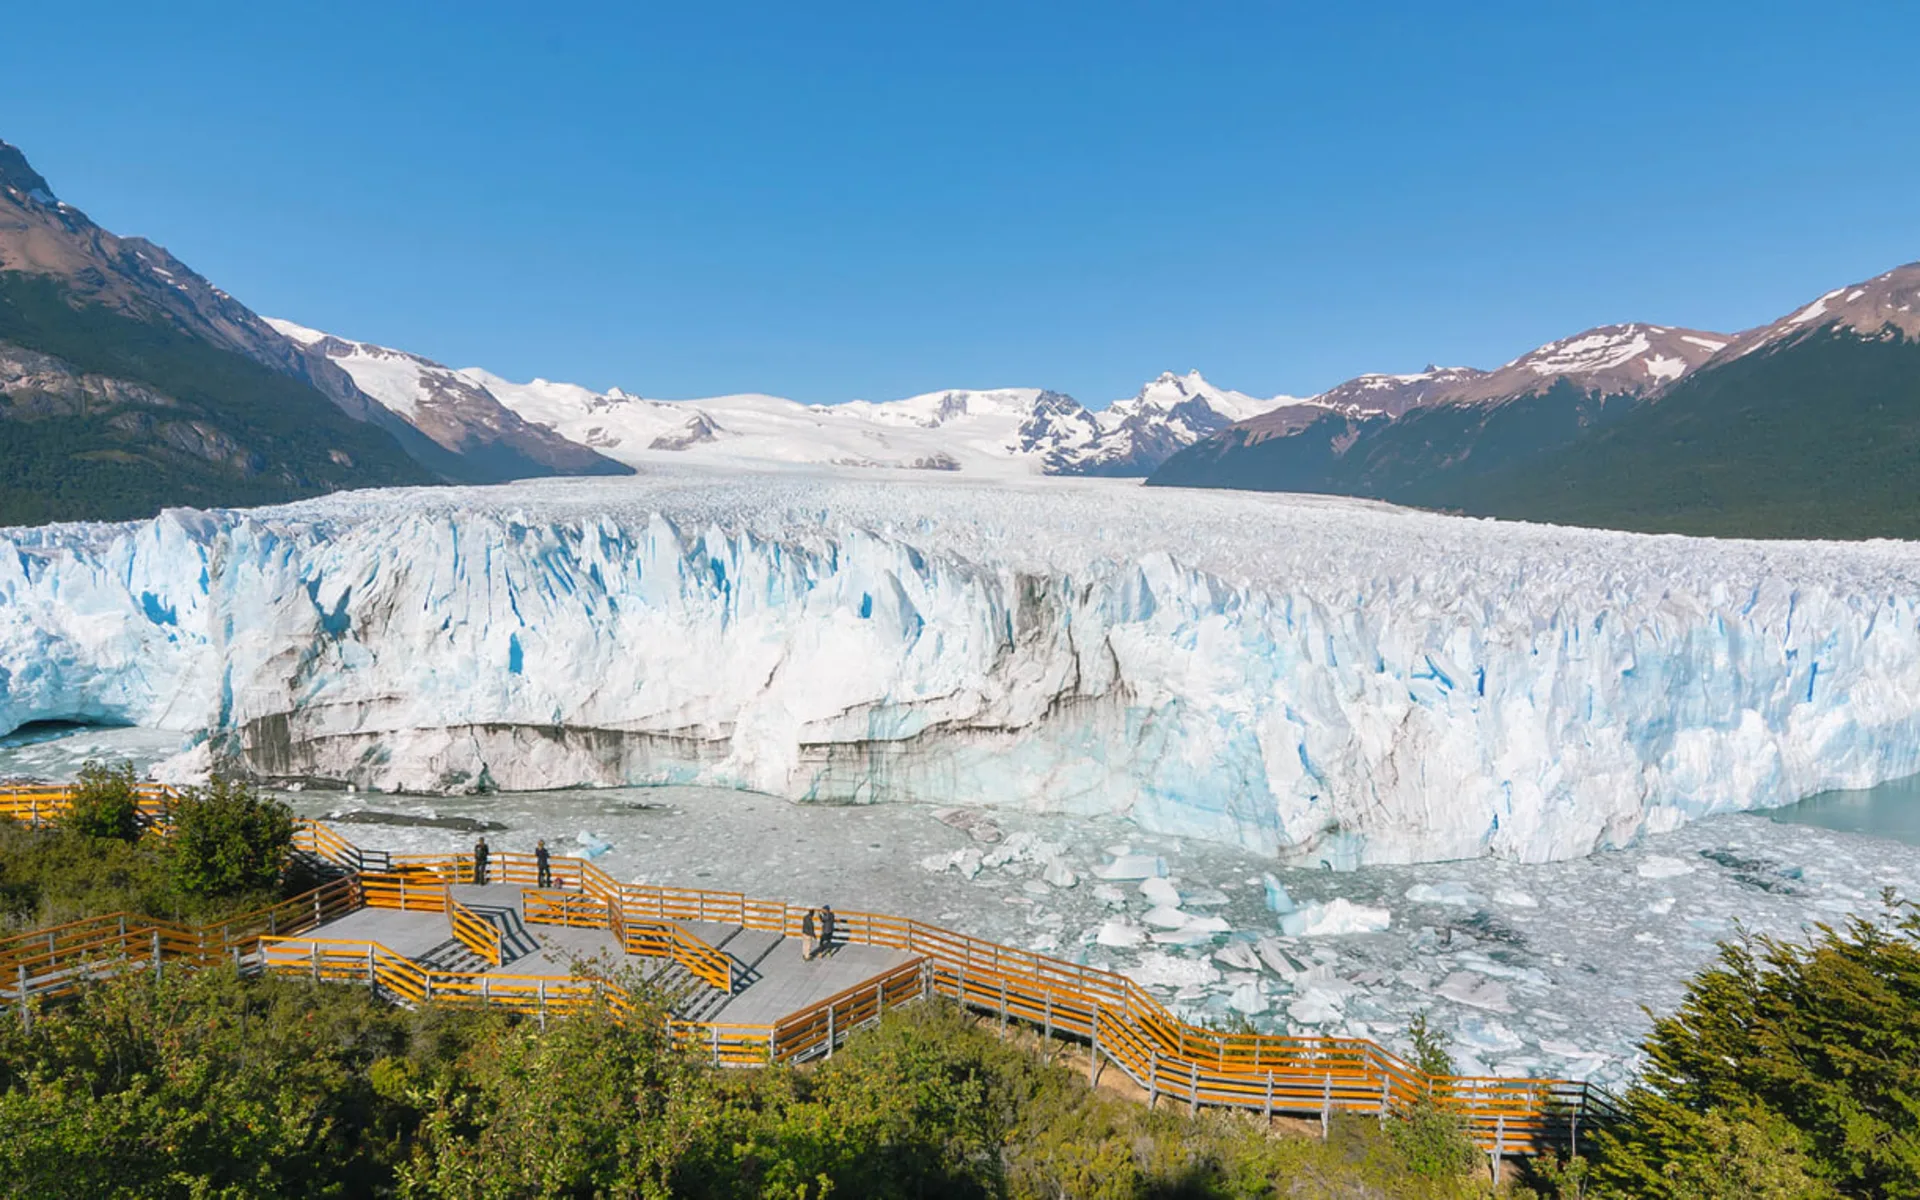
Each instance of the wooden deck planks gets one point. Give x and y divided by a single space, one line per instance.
771 979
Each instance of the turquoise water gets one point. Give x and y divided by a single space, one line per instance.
1891 810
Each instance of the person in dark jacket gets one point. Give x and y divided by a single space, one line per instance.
827 922
809 935
480 853
542 863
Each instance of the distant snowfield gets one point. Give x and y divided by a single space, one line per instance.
1321 680
991 433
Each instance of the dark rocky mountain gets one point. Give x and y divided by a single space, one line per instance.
128 382
1412 438
1808 427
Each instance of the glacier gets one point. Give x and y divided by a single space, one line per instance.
1321 680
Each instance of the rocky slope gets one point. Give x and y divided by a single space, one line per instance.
1806 427
457 413
1412 438
131 382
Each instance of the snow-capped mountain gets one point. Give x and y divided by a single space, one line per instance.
457 414
1886 305
1401 437
1002 431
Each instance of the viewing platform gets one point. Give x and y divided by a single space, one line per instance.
726 975
766 977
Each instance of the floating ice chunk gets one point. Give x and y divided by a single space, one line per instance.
1109 895
594 844
1207 924
1169 970
1160 892
1186 935
1035 887
1337 916
1121 933
1485 1033
1660 866
1315 1007
1163 917
1449 893
966 862
1277 898
1205 897
1238 954
1515 898
1023 847
1133 866
1275 955
1059 874
1475 991
1249 998
970 821
1661 907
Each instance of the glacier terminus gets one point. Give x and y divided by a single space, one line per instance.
1317 679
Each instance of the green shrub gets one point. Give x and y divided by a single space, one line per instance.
106 803
228 840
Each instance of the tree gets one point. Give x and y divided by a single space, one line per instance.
228 840
1804 1058
106 803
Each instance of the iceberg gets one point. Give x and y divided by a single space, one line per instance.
1320 680
1335 917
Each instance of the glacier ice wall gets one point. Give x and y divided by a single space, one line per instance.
1320 679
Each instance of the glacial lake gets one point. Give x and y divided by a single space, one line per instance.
1891 810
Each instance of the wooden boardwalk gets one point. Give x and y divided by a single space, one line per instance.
770 978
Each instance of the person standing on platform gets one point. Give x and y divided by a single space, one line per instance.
809 941
827 922
542 863
480 853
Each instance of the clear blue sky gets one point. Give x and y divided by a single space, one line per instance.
841 200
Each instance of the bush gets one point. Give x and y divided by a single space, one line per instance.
228 840
106 803
1788 1070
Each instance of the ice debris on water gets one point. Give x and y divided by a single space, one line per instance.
970 821
1247 997
1058 874
1133 866
1277 898
1661 866
1122 933
1449 893
592 843
1158 969
1336 916
1160 892
1238 954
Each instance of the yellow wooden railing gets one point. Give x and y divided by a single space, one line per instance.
1122 1023
475 932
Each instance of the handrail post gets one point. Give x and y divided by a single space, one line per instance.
1153 1078
1193 1086
1499 1146
829 1031
1326 1105
314 955
156 954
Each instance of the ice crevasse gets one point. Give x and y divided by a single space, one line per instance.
1324 680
